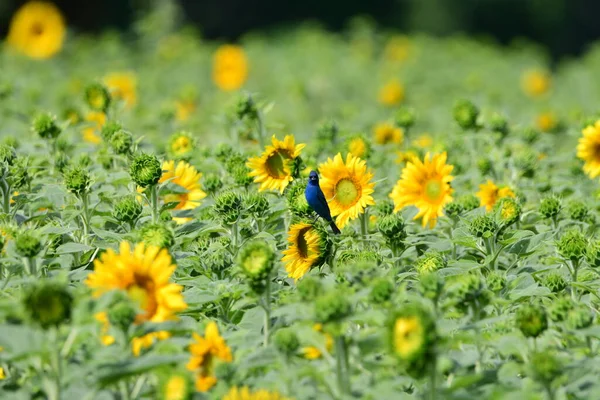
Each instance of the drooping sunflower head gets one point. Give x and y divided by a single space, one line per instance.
308 247
143 273
37 30
230 67
489 193
347 187
187 180
588 149
274 168
122 86
425 185
387 133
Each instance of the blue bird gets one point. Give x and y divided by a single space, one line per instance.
316 200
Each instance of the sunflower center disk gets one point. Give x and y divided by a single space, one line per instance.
596 151
302 243
37 29
141 293
433 191
346 192
276 165
407 335
255 262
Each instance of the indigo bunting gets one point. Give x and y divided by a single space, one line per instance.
316 200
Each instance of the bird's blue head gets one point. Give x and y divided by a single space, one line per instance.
313 178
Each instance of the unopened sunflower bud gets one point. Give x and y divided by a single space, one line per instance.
28 244
572 245
61 161
97 97
384 207
241 175
309 288
145 170
495 281
577 210
392 227
127 209
465 114
530 135
545 367
158 235
48 303
181 145
228 207
453 210
245 108
256 260
498 123
109 129
331 307
256 204
7 154
44 125
531 320
508 211
469 291
484 165
286 341
430 286
212 184
381 290
121 142
550 206
327 132
468 202
580 317
296 200
555 282
405 117
18 175
430 262
483 226
560 307
77 181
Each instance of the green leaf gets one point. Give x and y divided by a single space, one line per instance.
114 372
73 247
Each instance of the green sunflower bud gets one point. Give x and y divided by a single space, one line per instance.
72 115
44 125
531 320
121 142
530 135
577 210
384 207
296 199
392 227
354 256
223 152
145 170
217 258
109 129
405 117
332 306
469 291
48 303
412 338
28 244
246 108
18 174
123 311
483 226
484 165
560 307
555 282
545 367
128 209
453 210
181 145
309 288
11 141
550 206
508 211
240 174
381 290
256 260
256 204
468 202
526 162
592 253
327 132
286 341
157 235
7 154
580 317
495 281
430 262
212 184
572 245
97 97
465 114
61 162
430 286
105 158
77 181
499 124
228 206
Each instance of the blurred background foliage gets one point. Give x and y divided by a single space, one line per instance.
565 27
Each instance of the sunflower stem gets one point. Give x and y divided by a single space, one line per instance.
261 130
341 358
85 217
267 307
432 379
6 196
364 220
154 202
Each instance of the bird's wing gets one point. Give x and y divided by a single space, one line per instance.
321 197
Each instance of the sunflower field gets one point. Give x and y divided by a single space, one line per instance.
156 241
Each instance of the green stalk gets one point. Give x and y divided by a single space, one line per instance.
267 308
364 220
261 130
6 196
154 202
341 359
85 217
575 264
432 379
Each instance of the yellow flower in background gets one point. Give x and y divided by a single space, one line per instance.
535 82
392 93
96 121
105 338
546 122
347 187
425 185
2 374
424 141
37 30
273 169
181 144
408 336
304 250
387 133
397 48
143 273
489 193
358 146
177 387
244 393
588 149
187 178
184 109
230 67
311 352
204 351
405 156
122 86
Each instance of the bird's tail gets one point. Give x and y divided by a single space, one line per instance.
334 227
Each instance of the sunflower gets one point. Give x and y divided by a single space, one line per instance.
546 122
184 109
311 352
308 247
96 121
203 353
244 393
387 133
273 169
489 193
37 30
106 339
359 146
122 86
535 82
405 156
347 186
144 275
397 49
230 67
392 93
181 144
187 178
424 141
588 149
425 185
176 387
